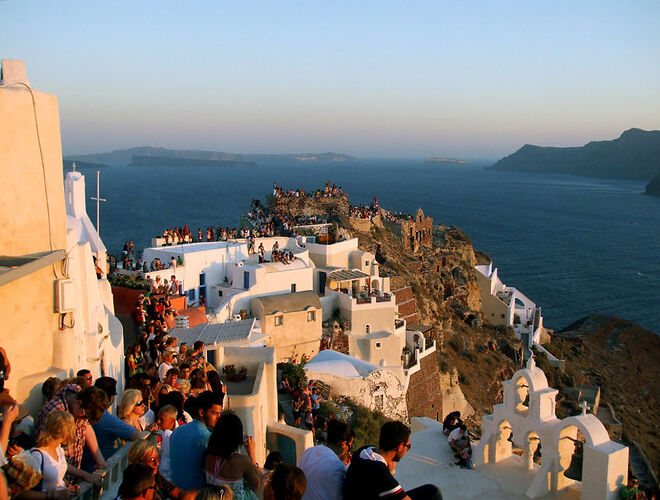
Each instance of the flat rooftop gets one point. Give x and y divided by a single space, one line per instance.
431 461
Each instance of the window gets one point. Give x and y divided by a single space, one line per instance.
191 294
366 262
279 320
367 329
293 288
378 402
378 345
311 316
202 279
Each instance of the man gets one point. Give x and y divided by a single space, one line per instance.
188 442
171 378
631 490
166 365
324 466
459 440
87 375
370 475
166 423
109 427
138 483
197 359
174 285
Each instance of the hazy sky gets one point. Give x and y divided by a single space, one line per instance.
370 78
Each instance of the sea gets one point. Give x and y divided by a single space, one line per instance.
574 245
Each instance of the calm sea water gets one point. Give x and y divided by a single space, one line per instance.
573 245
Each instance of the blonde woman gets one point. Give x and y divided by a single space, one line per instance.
131 408
146 452
59 429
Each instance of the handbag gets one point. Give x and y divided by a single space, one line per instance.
22 473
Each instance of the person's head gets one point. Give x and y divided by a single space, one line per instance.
144 452
198 346
168 357
287 482
131 403
209 408
213 492
93 402
50 386
273 458
340 434
167 417
107 385
172 376
184 386
394 436
59 426
87 375
463 429
227 436
138 483
633 482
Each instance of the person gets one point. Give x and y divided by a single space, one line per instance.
109 427
188 442
223 463
323 465
459 441
213 492
131 407
166 422
286 483
146 452
137 483
85 406
273 458
87 375
451 422
172 377
630 490
5 368
59 429
370 475
166 365
197 359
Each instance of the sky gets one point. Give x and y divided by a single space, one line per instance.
468 79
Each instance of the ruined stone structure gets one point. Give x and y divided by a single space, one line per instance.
406 304
417 233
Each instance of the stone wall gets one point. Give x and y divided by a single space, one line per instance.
417 233
406 304
295 207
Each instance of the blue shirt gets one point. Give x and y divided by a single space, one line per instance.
107 430
187 447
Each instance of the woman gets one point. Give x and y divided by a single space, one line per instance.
224 465
212 492
58 429
134 360
146 452
131 407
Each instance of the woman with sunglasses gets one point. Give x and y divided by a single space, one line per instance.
146 452
131 407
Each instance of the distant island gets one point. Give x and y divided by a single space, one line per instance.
120 157
634 155
68 165
436 159
165 161
653 187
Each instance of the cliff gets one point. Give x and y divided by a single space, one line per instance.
634 155
162 161
653 187
621 358
125 156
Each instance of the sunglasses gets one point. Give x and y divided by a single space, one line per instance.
140 403
409 445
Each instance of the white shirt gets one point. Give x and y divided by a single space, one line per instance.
163 369
53 470
164 467
455 435
324 472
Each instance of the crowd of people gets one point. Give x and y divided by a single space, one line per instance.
329 190
367 212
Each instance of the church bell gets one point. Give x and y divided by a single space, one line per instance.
574 470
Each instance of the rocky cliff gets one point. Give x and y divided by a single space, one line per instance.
634 155
653 187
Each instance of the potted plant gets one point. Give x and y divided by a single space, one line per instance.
242 374
230 372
